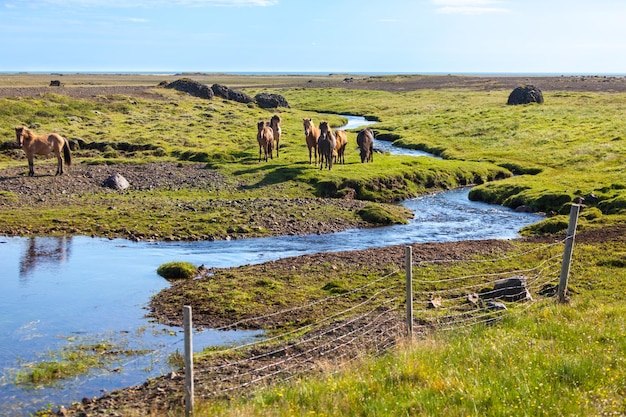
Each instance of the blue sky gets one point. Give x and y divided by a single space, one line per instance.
414 36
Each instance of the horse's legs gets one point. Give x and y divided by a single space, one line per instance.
59 164
31 166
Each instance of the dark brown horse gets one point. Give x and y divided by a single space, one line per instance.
275 125
311 133
340 146
326 145
265 137
365 140
42 145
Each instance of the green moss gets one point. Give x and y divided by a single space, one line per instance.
177 270
383 215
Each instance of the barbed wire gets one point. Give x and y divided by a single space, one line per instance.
311 304
375 319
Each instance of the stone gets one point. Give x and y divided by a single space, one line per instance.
192 87
525 94
230 94
495 305
270 101
117 182
434 302
509 289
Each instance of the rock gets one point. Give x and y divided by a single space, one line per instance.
270 101
523 209
434 302
55 83
117 182
525 94
192 87
230 94
494 305
509 289
473 298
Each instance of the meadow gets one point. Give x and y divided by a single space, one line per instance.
551 360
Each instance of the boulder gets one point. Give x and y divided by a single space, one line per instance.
525 94
230 94
509 289
117 182
192 87
270 101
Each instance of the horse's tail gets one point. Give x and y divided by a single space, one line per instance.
67 155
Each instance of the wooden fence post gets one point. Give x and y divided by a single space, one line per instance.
567 252
189 400
408 264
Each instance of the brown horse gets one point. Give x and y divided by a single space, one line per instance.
265 137
311 133
42 145
326 145
365 140
340 147
275 125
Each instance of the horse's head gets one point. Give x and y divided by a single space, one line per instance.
260 125
307 123
19 134
275 120
324 127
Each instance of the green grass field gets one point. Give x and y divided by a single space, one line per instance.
550 360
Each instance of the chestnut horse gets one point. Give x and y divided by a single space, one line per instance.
326 145
340 147
42 145
265 137
311 133
365 140
275 125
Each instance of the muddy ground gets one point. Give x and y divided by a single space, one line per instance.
266 364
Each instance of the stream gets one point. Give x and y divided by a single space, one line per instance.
67 291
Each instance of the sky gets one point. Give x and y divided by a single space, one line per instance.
311 36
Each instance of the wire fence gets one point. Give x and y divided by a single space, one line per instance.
373 318
442 300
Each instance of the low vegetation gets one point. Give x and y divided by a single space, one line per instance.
77 358
177 270
547 359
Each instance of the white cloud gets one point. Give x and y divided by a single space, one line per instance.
469 6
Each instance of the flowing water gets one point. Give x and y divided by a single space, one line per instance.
67 291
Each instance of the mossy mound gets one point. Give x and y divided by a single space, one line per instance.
177 270
378 214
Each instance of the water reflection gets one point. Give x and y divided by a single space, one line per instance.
44 252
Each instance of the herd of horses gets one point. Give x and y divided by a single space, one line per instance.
323 141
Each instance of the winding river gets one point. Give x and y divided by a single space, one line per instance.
59 292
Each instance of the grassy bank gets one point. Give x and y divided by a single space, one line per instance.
541 360
548 155
169 126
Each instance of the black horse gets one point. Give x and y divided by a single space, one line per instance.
365 140
326 144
